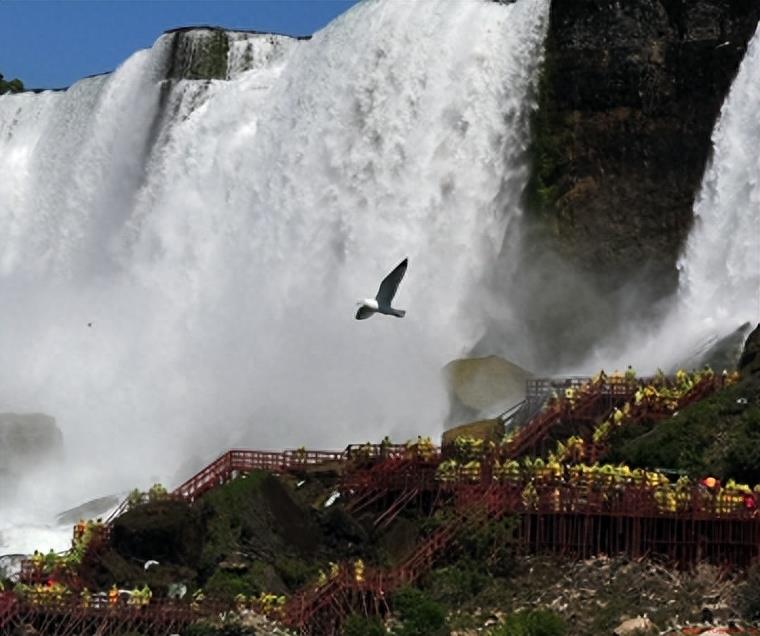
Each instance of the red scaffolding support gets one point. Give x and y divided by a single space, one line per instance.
560 515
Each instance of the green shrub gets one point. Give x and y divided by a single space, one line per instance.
455 585
717 436
13 86
491 548
229 627
532 623
362 626
749 594
295 572
419 614
226 584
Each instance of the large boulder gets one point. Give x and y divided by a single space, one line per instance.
483 387
634 626
28 437
168 531
718 354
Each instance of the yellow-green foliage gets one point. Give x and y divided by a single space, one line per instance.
717 436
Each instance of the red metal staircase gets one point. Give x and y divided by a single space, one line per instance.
324 608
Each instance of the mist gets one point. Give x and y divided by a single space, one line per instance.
217 234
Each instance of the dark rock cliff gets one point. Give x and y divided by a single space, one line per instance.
201 52
628 98
749 363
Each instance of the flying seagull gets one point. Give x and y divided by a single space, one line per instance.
381 304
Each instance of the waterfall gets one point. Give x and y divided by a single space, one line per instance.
719 270
216 234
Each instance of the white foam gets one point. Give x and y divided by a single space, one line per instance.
217 234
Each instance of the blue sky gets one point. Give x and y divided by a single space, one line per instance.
53 43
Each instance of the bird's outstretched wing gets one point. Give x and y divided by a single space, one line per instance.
390 284
364 312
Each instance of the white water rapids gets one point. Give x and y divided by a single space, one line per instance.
216 235
720 270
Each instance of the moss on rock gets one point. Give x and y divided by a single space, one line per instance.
167 531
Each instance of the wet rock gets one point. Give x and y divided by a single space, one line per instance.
749 362
483 387
628 100
10 565
724 353
88 510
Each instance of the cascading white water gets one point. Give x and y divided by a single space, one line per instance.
719 282
217 237
720 269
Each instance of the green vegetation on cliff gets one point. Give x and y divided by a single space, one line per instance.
551 136
255 534
717 436
261 535
12 86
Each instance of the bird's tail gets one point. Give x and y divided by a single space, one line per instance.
399 313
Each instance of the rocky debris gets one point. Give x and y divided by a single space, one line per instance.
725 353
597 595
246 623
634 626
731 627
262 625
749 362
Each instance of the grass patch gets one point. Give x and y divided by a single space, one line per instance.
719 436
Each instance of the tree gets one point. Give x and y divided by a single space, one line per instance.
14 86
419 614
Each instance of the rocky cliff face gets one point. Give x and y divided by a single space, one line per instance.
749 363
209 52
628 99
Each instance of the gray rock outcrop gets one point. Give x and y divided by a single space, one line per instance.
26 441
